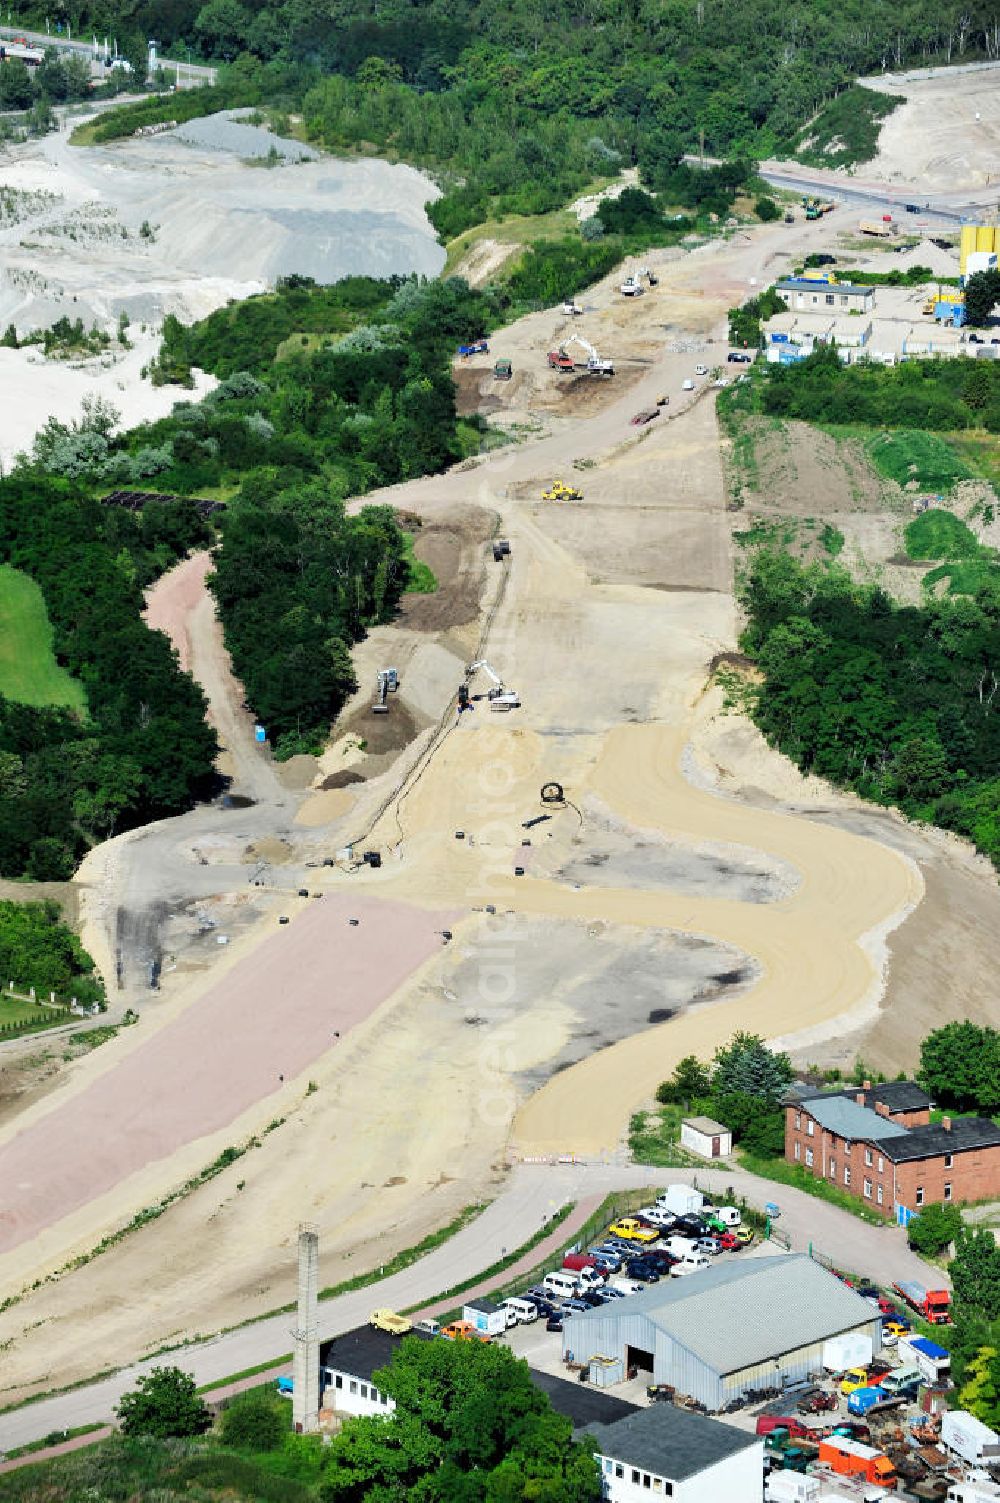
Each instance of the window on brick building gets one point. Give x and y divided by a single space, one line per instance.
920 1195
847 1174
949 1160
868 1158
798 1121
810 1127
878 1194
881 1163
798 1150
832 1171
809 1158
868 1189
947 1189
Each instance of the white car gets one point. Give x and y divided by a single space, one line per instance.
688 385
656 1216
679 1247
701 370
695 1264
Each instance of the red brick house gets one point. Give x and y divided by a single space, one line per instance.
878 1143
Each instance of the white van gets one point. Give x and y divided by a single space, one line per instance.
589 1278
679 1247
902 1379
627 1286
562 1284
694 1262
729 1216
520 1312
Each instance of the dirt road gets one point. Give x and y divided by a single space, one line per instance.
609 651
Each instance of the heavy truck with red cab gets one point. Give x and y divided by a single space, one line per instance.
933 1304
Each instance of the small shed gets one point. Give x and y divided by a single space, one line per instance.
485 1317
708 1138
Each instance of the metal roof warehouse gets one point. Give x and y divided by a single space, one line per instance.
735 1327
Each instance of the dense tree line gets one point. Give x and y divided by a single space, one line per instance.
518 109
143 749
898 702
927 394
742 1087
38 950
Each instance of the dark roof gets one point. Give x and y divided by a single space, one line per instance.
582 1403
897 1095
801 284
929 1142
484 1306
673 1443
359 1352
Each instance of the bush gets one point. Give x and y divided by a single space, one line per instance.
934 1229
163 1404
255 1422
766 209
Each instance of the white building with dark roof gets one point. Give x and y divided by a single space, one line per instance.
665 1452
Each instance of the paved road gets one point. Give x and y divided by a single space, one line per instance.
534 1192
188 75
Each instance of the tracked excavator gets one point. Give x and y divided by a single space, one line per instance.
386 682
498 698
596 364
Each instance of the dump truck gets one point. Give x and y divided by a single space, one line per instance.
502 370
933 1304
878 227
560 361
849 1458
388 1320
870 1401
477 347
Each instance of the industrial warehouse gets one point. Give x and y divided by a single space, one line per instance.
735 1328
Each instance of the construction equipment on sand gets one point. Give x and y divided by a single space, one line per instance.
502 370
649 275
386 683
572 308
499 697
501 550
560 491
631 287
477 347
596 364
560 361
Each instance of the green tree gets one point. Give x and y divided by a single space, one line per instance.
163 1404
980 1394
254 1422
975 1274
982 293
690 1080
755 1123
747 1065
766 209
934 1229
16 92
960 1066
977 388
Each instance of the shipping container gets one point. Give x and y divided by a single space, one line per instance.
852 1349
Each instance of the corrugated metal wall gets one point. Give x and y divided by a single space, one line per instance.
609 1335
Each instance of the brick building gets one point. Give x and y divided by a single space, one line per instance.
879 1144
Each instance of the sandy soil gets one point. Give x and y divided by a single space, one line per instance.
805 472
946 135
611 670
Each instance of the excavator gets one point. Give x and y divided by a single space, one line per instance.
499 697
386 682
595 364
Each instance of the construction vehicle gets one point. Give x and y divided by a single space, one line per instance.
572 308
933 1304
388 1320
502 370
499 697
880 228
501 550
477 347
596 364
631 287
650 276
386 683
559 491
560 361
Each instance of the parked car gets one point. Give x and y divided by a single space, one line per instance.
701 370
647 1272
728 1242
896 1327
656 1216
593 1298
579 1305
633 1230
708 1245
690 1226
462 1330
744 1235
739 357
554 1323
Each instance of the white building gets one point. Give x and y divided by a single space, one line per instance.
665 1452
710 1139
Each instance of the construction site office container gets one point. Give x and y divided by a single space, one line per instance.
967 245
985 237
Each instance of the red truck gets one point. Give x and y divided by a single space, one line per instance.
849 1458
768 1423
933 1304
575 1261
560 361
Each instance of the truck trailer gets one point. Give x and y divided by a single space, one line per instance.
849 1458
967 1437
933 1304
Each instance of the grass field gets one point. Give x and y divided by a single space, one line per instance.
940 534
29 672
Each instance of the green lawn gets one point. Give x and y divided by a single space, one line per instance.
29 672
17 1014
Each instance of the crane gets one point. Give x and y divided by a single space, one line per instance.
595 364
500 697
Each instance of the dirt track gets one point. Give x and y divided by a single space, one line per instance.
607 638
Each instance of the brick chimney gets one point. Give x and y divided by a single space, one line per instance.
860 1099
946 1123
882 1109
866 1085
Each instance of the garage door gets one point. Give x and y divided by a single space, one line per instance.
636 1360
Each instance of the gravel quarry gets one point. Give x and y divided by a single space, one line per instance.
181 223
